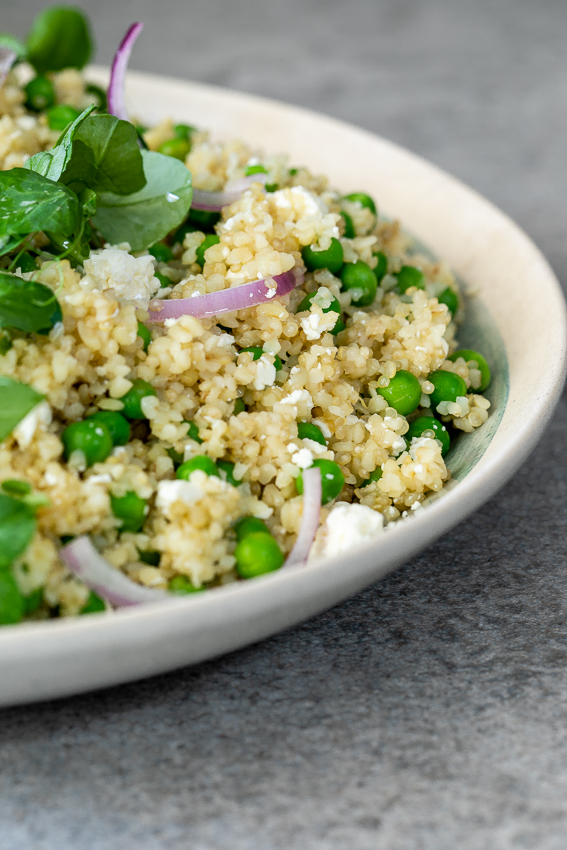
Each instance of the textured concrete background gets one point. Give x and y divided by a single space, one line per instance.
429 712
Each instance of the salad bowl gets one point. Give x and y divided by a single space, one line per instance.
515 316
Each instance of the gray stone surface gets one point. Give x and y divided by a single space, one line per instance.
429 711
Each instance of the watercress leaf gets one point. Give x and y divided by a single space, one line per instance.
31 202
117 155
10 42
26 305
59 38
8 243
17 401
17 527
149 215
64 156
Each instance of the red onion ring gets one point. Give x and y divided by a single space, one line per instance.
81 557
312 493
215 201
115 94
7 59
226 300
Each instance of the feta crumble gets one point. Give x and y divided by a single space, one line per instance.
131 278
346 526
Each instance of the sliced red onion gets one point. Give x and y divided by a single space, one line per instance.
115 94
226 300
312 492
215 201
81 557
7 59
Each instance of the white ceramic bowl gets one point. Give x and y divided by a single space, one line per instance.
519 318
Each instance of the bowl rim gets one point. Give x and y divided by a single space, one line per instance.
265 596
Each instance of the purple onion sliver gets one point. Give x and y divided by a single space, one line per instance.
215 201
81 557
7 59
115 94
312 493
226 300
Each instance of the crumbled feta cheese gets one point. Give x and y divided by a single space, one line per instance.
314 447
420 442
129 277
169 492
291 447
26 428
398 445
265 373
294 370
303 459
102 478
296 396
225 339
318 323
325 430
346 526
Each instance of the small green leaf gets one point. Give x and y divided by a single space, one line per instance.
26 305
117 155
17 401
147 216
31 202
54 163
17 527
59 38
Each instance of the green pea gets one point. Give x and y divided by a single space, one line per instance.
249 525
161 252
26 262
33 601
409 276
332 258
227 467
334 307
93 605
309 431
448 387
132 400
144 335
203 220
332 479
239 407
130 509
91 437
256 554
375 475
203 462
381 266
468 354
60 116
59 38
429 423
255 169
257 352
193 432
271 187
450 298
211 239
350 232
12 604
40 94
181 586
118 427
150 557
184 131
363 199
403 393
359 279
293 172
176 148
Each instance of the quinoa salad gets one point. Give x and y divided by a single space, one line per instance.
213 364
